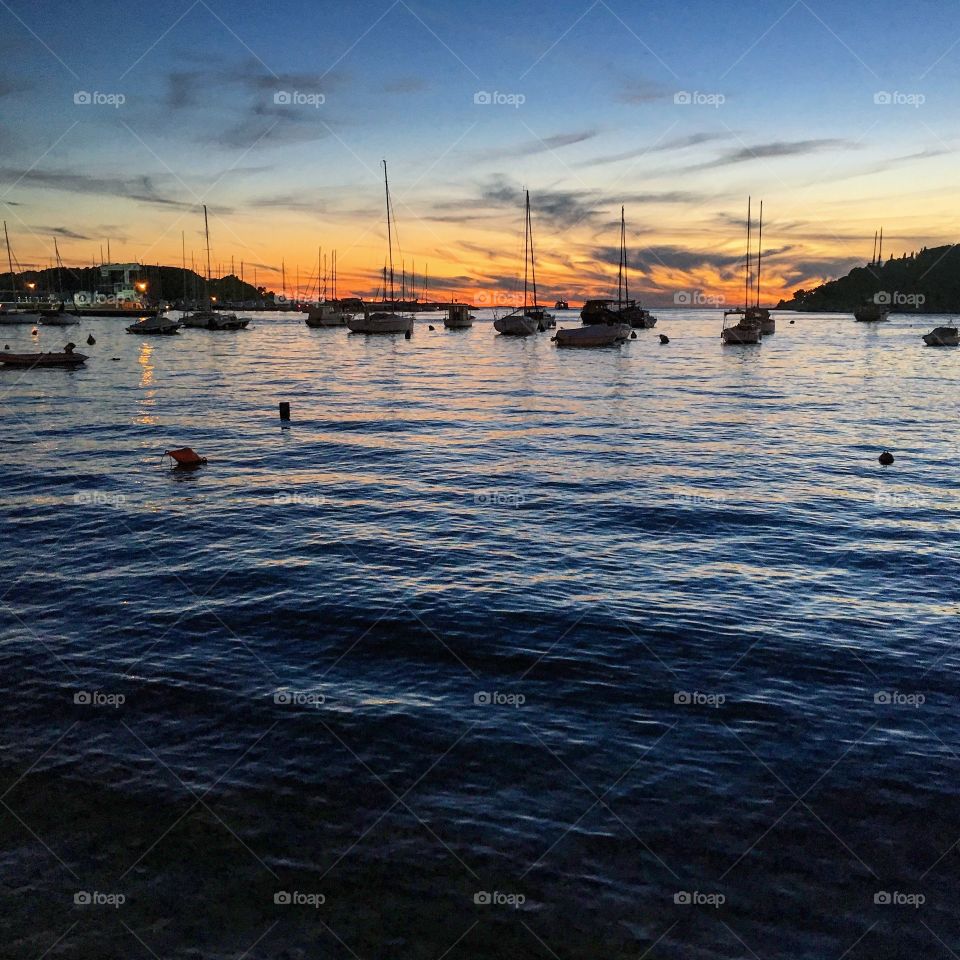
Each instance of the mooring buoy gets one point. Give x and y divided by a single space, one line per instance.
664 338
886 458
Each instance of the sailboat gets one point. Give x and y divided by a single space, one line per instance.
57 317
384 321
623 309
519 322
747 328
872 311
329 312
211 319
16 316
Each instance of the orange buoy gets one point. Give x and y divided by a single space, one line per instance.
185 457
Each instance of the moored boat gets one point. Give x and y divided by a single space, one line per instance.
384 321
328 314
155 326
66 358
516 325
747 328
10 318
561 304
528 319
593 335
623 309
871 312
214 320
942 337
458 317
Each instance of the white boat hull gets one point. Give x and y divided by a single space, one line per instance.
516 325
595 335
381 323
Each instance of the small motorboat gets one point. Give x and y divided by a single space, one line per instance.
761 316
68 358
592 335
155 326
458 317
380 322
871 312
942 337
213 320
561 304
328 314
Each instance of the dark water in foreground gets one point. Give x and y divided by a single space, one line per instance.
586 635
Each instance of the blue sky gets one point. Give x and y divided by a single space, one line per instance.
784 108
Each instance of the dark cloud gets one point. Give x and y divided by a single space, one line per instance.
646 259
64 232
142 189
678 143
778 148
244 105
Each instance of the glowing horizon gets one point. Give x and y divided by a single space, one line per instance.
279 126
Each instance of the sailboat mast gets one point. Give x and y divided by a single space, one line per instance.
746 268
623 253
533 259
759 248
620 264
526 248
206 232
334 274
873 259
880 255
13 282
386 189
183 265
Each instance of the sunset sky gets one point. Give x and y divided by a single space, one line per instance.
586 117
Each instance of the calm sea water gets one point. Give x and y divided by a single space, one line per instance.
496 651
